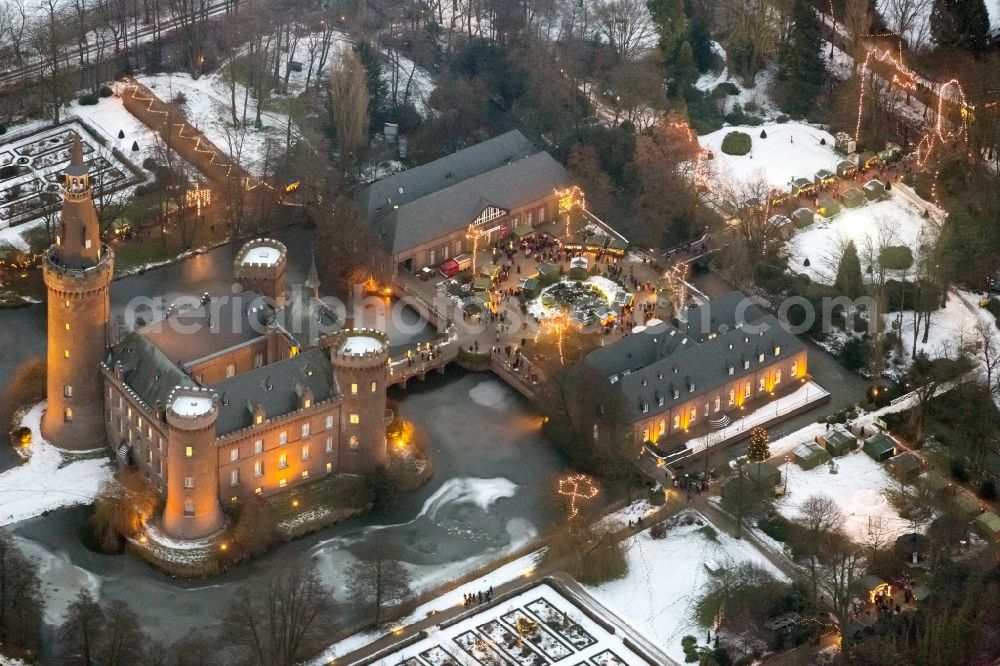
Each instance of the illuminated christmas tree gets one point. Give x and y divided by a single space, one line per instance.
757 450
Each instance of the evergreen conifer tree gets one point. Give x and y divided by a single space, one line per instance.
961 24
801 66
849 281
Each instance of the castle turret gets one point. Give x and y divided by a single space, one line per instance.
192 510
360 359
77 272
260 266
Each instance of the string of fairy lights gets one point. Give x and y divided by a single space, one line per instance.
577 487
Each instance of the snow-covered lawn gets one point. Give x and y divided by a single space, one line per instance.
44 483
856 488
791 150
562 635
109 117
755 94
207 105
822 241
952 327
666 577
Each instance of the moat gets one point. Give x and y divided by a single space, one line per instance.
491 490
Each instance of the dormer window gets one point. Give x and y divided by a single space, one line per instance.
760 358
645 407
746 364
676 394
732 370
777 350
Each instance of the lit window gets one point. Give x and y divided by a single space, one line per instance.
353 442
282 483
233 499
258 468
307 403
645 435
234 454
258 360
761 385
234 477
795 368
259 419
354 389
692 415
230 370
305 452
355 419
305 429
732 396
258 446
329 422
777 351
282 437
68 391
746 391
67 325
663 426
189 482
746 365
188 507
68 414
760 357
305 474
283 461
65 353
374 386
329 467
596 432
677 421
329 444
718 402
188 451
258 490
66 302
777 376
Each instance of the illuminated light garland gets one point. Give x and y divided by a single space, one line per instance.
578 487
558 326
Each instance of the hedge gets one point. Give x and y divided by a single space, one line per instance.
737 143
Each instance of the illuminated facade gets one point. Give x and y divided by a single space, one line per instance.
245 396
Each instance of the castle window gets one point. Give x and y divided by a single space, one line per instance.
645 407
777 376
717 403
374 386
307 403
329 444
777 351
352 443
68 391
233 499
283 461
355 419
234 477
149 433
305 474
189 507
677 421
645 434
693 415
354 389
258 419
746 391
760 386
66 325
188 451
305 452
282 483
283 437
258 490
258 360
258 468
65 353
230 370
68 414
258 446
159 466
746 365
329 421
732 397
329 467
149 456
87 244
234 454
731 370
596 432
305 429
663 426
66 302
189 482
760 358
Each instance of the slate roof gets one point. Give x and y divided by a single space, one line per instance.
194 334
445 172
276 387
694 357
453 208
307 319
147 370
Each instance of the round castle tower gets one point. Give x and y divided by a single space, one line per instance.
77 270
260 266
360 358
192 510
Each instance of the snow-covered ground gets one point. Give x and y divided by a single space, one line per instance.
207 106
666 577
44 483
856 488
757 94
952 327
791 150
821 242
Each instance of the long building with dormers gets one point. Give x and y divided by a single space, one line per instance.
672 382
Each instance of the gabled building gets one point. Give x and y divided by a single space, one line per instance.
423 216
671 381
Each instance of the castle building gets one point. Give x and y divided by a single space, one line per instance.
669 383
215 403
77 272
245 395
426 215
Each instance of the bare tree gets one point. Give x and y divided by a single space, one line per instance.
20 601
280 621
377 580
626 25
107 634
843 567
819 520
908 18
987 350
349 99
